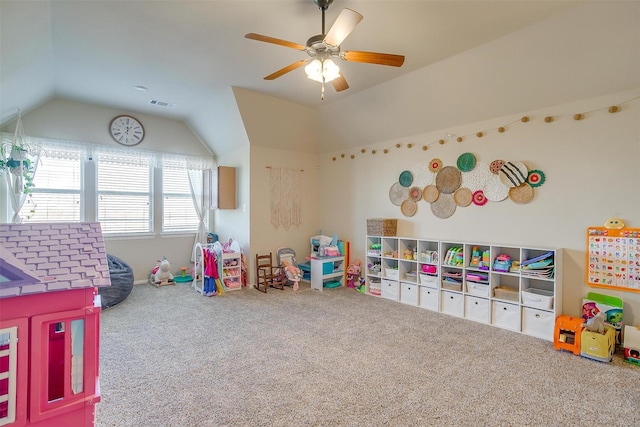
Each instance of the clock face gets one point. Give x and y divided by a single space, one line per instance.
126 130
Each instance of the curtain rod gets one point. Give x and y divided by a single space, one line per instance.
297 170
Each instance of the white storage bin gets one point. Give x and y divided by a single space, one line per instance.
389 290
537 298
429 298
477 309
452 303
538 323
428 280
409 293
391 273
505 315
478 289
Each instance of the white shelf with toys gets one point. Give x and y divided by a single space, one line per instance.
512 287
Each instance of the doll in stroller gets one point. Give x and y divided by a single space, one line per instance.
286 258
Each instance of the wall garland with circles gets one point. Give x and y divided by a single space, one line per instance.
470 181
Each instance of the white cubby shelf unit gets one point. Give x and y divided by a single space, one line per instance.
462 279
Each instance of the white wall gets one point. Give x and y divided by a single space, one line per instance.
265 237
80 122
591 169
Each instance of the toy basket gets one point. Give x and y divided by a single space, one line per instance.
382 226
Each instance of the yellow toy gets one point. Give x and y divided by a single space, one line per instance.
614 223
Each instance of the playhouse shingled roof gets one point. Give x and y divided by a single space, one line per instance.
48 257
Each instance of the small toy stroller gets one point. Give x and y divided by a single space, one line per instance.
286 258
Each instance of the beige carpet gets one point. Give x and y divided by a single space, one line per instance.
170 357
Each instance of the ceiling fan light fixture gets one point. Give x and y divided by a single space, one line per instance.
322 70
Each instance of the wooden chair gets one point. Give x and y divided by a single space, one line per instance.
267 274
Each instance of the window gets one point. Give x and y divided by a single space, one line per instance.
115 186
178 212
124 196
57 194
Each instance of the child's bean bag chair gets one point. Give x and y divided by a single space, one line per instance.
121 282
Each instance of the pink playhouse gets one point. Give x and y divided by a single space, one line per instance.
50 323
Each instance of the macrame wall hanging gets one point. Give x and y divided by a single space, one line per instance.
285 197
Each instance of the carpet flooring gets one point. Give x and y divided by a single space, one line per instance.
170 357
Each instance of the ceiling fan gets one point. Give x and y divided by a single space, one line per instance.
323 47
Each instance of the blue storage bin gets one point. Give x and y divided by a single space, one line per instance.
327 267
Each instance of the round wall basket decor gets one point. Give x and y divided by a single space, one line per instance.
448 179
406 178
462 197
409 208
513 174
398 194
430 193
466 162
444 207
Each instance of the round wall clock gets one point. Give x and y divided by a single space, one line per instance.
126 130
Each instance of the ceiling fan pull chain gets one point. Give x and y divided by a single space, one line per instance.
322 92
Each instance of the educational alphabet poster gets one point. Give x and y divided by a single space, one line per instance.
613 258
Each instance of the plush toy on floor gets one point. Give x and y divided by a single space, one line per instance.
161 273
353 273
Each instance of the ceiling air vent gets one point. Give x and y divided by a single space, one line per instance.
162 103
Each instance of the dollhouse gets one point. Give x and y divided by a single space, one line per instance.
49 322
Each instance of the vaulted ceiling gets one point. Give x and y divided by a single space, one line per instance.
187 52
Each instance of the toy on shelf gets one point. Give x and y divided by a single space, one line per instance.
476 258
486 261
353 273
502 263
161 274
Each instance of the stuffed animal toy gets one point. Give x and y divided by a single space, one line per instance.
596 323
353 273
162 272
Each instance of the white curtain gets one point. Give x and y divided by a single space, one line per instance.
197 196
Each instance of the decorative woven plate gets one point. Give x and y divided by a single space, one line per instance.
521 194
536 178
435 165
479 198
408 208
406 178
477 178
495 190
444 207
466 162
462 197
398 194
430 193
448 179
513 174
495 166
422 175
415 194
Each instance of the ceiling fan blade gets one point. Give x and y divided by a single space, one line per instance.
345 23
286 69
340 83
267 39
373 58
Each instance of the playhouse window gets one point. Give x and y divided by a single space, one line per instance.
8 341
65 341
